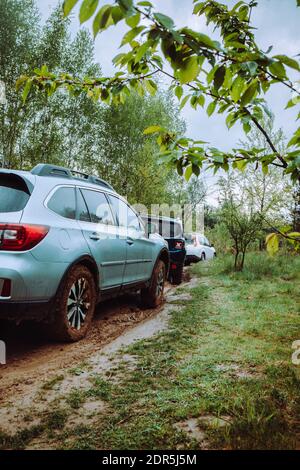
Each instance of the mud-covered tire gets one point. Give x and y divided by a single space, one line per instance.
74 306
153 295
177 275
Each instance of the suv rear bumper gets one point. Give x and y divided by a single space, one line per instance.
18 311
192 258
31 280
177 256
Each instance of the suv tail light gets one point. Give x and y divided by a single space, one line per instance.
6 289
19 237
179 245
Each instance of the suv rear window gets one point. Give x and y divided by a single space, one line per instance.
170 229
14 193
63 203
167 228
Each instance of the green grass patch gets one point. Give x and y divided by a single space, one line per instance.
227 353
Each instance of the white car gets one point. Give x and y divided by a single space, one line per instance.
198 248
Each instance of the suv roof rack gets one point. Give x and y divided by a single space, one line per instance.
45 169
161 217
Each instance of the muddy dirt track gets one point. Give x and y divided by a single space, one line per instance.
31 358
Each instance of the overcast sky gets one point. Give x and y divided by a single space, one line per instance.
277 23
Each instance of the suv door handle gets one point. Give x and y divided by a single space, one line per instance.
95 236
130 241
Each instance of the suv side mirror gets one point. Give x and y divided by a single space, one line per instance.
212 245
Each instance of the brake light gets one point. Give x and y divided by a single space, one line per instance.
6 289
179 245
19 237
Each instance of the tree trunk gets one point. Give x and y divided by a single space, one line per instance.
296 214
243 261
236 261
261 244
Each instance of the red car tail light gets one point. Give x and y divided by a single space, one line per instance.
19 237
6 289
179 245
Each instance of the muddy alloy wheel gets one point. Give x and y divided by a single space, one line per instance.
78 303
160 283
75 305
153 295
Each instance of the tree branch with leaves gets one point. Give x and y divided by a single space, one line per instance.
230 77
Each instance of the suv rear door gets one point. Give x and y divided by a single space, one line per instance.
139 257
103 237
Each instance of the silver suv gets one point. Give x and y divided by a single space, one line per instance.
67 241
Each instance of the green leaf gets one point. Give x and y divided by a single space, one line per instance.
219 77
205 40
230 120
194 101
117 14
211 108
196 169
272 242
201 100
237 88
252 67
183 102
68 6
295 140
178 38
188 172
249 93
294 234
246 127
290 104
164 20
145 4
178 92
21 80
151 87
103 19
133 21
26 90
288 61
228 78
87 9
277 69
211 74
142 51
152 130
130 35
126 4
189 70
241 165
285 229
